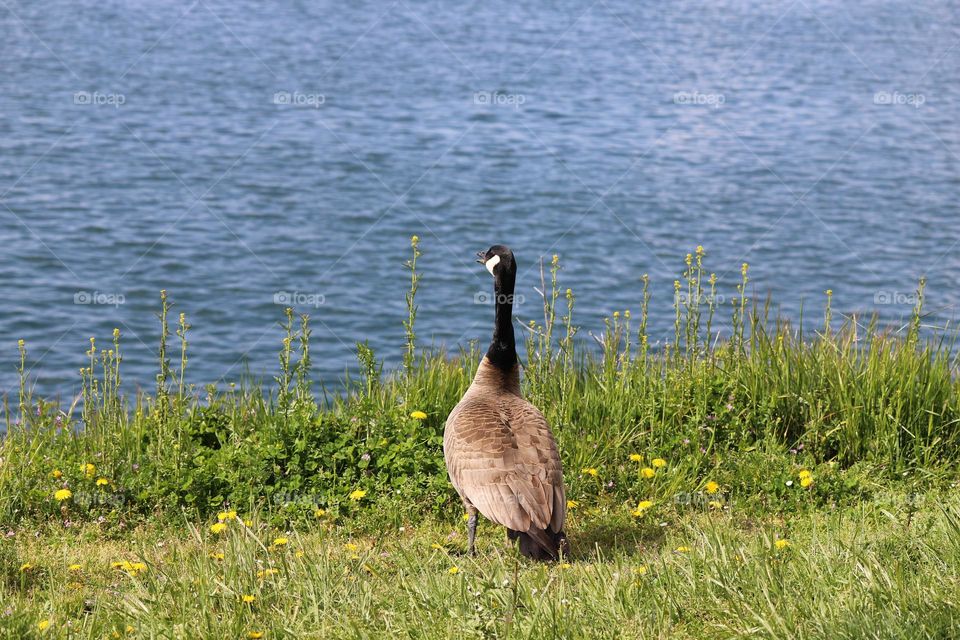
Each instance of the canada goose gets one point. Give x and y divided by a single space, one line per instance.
501 456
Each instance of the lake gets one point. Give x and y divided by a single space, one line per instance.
242 154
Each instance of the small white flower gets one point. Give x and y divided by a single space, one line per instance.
789 483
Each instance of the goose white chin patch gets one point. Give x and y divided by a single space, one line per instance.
491 263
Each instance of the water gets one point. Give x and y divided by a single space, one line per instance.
228 151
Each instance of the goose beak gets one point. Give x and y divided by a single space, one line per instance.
481 257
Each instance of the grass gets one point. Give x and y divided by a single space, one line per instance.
685 461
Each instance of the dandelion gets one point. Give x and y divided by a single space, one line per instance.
781 544
806 481
219 527
351 547
589 471
712 487
715 504
805 473
635 457
436 545
564 565
255 635
453 570
88 470
572 504
280 542
26 566
418 415
659 463
74 568
43 625
227 515
267 572
56 473
62 494
682 549
248 522
217 555
642 570
642 507
647 472
319 513
357 495
102 482
248 599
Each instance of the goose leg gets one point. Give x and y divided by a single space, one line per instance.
471 530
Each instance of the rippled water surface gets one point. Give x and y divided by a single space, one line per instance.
228 151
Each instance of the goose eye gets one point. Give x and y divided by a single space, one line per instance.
491 263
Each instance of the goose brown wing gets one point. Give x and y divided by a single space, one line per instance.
502 457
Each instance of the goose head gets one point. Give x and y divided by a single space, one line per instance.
498 260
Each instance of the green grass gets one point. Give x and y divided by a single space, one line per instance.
842 439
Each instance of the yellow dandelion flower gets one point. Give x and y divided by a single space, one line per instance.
589 471
248 599
642 507
647 472
267 572
56 473
781 544
88 470
805 473
299 554
436 545
26 566
219 527
712 487
635 457
572 504
74 568
319 513
715 504
418 415
217 555
255 635
659 462
102 482
806 481
62 494
248 522
227 515
453 570
351 547
564 565
642 570
357 495
280 542
43 625
682 549
466 517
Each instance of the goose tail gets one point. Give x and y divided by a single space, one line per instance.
540 544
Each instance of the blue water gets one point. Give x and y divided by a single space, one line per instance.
228 151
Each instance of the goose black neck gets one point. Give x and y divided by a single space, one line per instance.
503 348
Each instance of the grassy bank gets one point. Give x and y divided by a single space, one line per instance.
841 440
